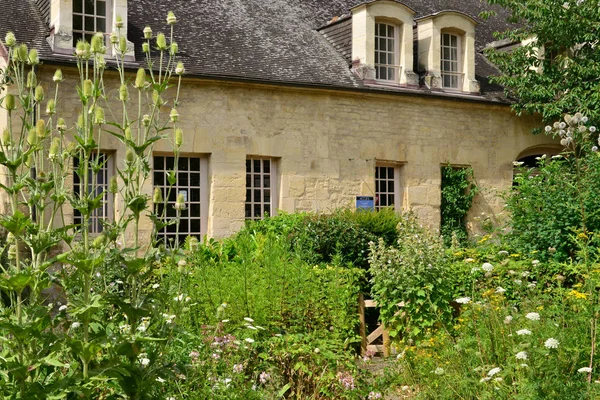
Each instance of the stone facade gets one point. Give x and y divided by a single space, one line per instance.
326 144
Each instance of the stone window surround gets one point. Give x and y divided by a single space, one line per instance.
61 24
429 31
364 17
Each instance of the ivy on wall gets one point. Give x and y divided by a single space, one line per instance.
458 192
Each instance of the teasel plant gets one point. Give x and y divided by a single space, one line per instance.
65 328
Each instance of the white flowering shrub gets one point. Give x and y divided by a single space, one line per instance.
410 281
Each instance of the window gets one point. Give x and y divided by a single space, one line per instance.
386 52
261 190
451 77
387 186
89 17
97 185
192 184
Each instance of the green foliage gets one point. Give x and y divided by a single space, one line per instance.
458 192
551 203
562 77
411 282
521 333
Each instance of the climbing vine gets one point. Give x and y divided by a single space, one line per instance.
458 192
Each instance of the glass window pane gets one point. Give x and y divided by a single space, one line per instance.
256 165
170 163
101 8
182 163
194 164
383 186
383 173
194 179
390 171
182 179
257 181
248 166
159 162
390 59
248 195
382 44
77 22
195 194
257 210
390 31
194 210
78 6
267 196
248 180
195 226
267 181
89 7
453 40
89 24
268 209
454 54
266 166
256 195
101 25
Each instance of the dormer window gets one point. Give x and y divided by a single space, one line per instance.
89 17
382 43
446 43
451 69
386 52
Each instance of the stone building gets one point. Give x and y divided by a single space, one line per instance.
303 106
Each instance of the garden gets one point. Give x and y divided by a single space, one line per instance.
271 312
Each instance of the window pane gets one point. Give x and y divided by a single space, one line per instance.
170 163
195 227
256 165
89 7
77 22
266 166
248 166
390 59
182 163
268 209
267 196
101 25
101 8
390 31
453 40
194 179
390 172
256 195
257 210
89 24
248 211
194 210
194 164
78 6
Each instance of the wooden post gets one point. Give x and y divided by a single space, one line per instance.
362 327
386 342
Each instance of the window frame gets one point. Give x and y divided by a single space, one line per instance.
274 188
397 193
84 33
108 207
395 66
163 235
459 73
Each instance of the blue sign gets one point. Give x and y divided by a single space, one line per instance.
365 203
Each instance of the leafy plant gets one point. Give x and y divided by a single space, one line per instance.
458 192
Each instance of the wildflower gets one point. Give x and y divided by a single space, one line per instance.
237 368
500 290
346 380
503 253
155 286
525 274
584 369
439 371
144 361
535 262
524 365
180 203
522 355
171 18
532 285
75 325
508 319
160 380
248 319
10 40
374 395
469 260
463 300
249 340
475 269
62 308
487 267
216 356
487 378
523 332
493 371
533 316
518 163
178 298
180 69
551 343
264 377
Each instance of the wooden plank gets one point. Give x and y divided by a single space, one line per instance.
377 348
386 342
362 325
375 334
370 303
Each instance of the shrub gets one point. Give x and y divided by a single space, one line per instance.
412 274
458 192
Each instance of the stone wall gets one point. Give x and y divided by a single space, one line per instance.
326 144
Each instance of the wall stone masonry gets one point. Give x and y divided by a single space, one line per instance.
326 144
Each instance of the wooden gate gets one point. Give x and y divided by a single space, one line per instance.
368 338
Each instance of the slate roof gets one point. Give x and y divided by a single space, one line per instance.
275 41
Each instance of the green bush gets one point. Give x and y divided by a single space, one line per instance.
458 192
411 282
550 203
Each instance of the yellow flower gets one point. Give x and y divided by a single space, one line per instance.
577 295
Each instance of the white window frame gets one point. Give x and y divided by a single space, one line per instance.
458 74
394 53
252 189
83 32
170 193
106 212
396 193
